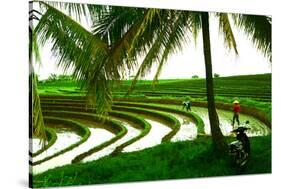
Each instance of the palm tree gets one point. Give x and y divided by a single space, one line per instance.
36 121
213 116
120 36
163 32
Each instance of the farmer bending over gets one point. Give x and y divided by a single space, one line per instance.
236 110
187 105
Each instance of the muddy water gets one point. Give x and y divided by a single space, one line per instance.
131 133
188 129
35 145
64 139
154 137
257 127
97 137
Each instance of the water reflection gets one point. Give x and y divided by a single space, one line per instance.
154 137
97 137
131 133
188 130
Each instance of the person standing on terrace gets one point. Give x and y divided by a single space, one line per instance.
236 111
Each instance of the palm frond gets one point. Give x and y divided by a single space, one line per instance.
152 56
34 51
72 44
75 48
195 24
79 11
167 30
75 10
115 22
120 48
258 30
99 93
121 26
175 39
225 28
37 126
154 46
148 23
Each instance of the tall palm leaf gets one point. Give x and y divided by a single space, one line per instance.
258 29
226 30
36 121
79 49
96 60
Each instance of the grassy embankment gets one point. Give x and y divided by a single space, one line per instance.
166 161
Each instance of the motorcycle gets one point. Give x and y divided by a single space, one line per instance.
239 150
238 154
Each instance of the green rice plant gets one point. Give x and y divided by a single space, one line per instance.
187 98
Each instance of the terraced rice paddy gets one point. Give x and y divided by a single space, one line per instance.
131 133
188 129
97 137
257 127
59 145
157 132
82 136
256 87
36 145
144 119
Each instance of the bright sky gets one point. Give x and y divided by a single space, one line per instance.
190 61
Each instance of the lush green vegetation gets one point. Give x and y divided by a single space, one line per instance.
187 159
166 161
250 90
252 86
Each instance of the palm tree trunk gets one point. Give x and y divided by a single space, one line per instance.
217 136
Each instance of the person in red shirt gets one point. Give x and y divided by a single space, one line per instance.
236 111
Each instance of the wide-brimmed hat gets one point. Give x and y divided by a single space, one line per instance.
240 129
235 102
